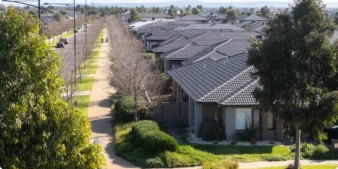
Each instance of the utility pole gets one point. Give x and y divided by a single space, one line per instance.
74 43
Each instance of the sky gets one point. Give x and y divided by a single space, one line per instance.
171 1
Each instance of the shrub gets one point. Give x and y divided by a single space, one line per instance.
154 162
315 152
210 130
290 166
142 127
157 141
225 164
124 110
250 133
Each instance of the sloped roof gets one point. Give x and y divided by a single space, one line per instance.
244 97
187 52
163 35
211 26
175 44
229 88
234 46
221 17
254 17
200 78
154 15
193 18
211 38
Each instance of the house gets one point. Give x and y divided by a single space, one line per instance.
221 19
252 17
207 45
196 18
153 16
254 26
222 90
125 17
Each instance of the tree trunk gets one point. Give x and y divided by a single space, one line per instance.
80 73
297 151
135 106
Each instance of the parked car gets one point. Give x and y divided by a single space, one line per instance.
60 44
75 31
84 30
332 132
79 27
65 40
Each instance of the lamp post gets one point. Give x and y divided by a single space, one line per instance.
73 31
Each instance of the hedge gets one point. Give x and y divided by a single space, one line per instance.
157 141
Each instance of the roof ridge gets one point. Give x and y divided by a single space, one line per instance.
214 50
240 91
227 82
178 50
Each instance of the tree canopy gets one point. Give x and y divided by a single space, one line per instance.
297 69
265 12
38 128
134 15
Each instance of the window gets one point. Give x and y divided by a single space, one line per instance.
243 117
271 122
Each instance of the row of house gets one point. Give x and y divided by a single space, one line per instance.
207 64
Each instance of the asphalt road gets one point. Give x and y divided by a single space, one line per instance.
67 53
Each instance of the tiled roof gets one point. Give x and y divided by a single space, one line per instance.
221 17
211 27
154 15
187 52
254 17
230 87
201 54
192 18
243 97
211 38
176 44
234 46
164 35
200 78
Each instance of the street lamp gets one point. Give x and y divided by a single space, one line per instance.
39 7
73 31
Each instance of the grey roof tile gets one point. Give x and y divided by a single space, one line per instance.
175 44
211 27
193 18
254 17
187 52
154 15
199 55
221 17
211 38
244 97
164 35
234 46
230 87
200 78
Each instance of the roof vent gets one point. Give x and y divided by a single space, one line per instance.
204 65
227 58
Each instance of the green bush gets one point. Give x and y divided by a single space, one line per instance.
124 110
157 141
210 130
225 164
319 152
142 127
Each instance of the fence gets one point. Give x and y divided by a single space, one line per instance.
171 114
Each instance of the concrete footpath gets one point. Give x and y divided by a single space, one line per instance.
99 113
262 164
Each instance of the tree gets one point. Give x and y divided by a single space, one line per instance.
232 15
252 11
172 11
196 11
188 10
182 13
200 7
57 16
222 10
132 73
63 12
38 128
265 12
297 70
134 15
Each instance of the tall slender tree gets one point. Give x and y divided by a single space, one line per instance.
297 68
38 129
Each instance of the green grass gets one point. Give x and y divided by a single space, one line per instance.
82 103
308 167
85 84
249 153
183 157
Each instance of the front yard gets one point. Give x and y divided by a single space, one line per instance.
249 153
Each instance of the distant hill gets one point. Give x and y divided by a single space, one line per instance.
185 3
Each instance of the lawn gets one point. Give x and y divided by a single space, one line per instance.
85 84
249 153
82 103
308 167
